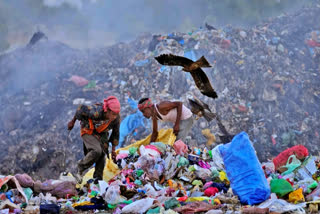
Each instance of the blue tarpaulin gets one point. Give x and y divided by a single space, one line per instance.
130 122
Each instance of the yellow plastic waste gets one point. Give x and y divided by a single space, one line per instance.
223 176
210 137
165 136
217 201
240 62
82 204
193 199
296 196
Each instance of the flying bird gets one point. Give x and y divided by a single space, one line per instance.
198 75
209 27
201 109
37 37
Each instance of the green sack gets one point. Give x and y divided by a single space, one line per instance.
281 187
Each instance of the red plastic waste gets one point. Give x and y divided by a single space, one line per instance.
299 151
211 191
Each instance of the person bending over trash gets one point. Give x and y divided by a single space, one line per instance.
167 111
96 121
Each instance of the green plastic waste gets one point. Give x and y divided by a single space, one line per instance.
127 202
191 168
281 187
112 206
133 150
215 173
138 182
312 186
197 183
160 146
28 192
139 172
155 210
171 203
91 84
210 153
291 165
4 188
183 161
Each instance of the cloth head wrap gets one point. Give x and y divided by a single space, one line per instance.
147 103
112 103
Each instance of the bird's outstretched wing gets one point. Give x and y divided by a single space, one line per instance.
170 59
203 83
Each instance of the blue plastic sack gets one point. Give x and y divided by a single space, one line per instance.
244 171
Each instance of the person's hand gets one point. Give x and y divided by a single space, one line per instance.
176 130
113 155
71 124
154 137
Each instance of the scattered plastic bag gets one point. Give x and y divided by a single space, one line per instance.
133 150
299 151
140 206
49 209
307 169
171 203
183 161
161 146
296 196
291 165
79 81
217 158
281 206
113 195
280 187
149 152
180 147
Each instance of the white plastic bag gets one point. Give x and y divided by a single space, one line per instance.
140 206
113 195
102 186
149 152
281 206
217 159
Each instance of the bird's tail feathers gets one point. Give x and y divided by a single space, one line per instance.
209 115
202 62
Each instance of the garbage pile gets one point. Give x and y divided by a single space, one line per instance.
168 177
267 80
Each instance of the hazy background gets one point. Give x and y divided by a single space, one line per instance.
93 23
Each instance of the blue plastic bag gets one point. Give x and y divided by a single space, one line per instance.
244 171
